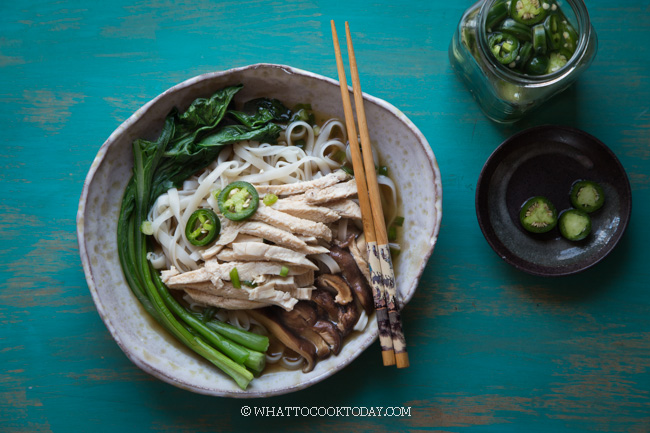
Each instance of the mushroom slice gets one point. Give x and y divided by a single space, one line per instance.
328 332
322 346
348 317
353 276
325 305
302 347
301 317
300 320
337 285
344 317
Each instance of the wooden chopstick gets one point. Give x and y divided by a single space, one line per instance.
399 342
383 322
379 256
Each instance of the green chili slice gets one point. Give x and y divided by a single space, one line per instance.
575 225
553 31
537 65
504 46
538 215
497 12
528 12
519 30
238 201
569 37
202 227
525 52
557 60
539 39
587 196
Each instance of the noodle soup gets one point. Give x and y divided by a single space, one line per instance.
257 257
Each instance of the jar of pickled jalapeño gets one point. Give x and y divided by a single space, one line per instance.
514 55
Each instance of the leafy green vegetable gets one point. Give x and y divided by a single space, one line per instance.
189 142
234 133
258 112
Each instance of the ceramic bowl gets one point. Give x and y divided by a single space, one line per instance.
148 345
547 160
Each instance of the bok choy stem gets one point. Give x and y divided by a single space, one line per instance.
190 142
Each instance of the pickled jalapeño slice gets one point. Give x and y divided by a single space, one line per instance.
574 224
587 196
528 11
538 215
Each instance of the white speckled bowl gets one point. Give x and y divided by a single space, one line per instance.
148 345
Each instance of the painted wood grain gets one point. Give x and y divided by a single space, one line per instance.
491 349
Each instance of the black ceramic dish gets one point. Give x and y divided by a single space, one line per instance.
546 160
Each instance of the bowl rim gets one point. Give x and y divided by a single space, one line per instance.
132 119
492 238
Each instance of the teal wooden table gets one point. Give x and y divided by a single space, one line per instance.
491 348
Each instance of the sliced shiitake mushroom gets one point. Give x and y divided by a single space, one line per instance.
323 349
354 278
348 317
325 305
335 284
343 316
330 334
303 315
303 347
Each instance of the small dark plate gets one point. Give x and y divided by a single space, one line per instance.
545 161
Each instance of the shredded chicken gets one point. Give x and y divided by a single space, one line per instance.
300 187
291 223
271 250
301 209
345 209
332 193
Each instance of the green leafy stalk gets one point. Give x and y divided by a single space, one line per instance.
234 351
189 142
250 340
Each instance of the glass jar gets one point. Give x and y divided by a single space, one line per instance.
503 94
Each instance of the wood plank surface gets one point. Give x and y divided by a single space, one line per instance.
492 349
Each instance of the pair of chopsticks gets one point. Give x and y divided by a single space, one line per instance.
391 335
